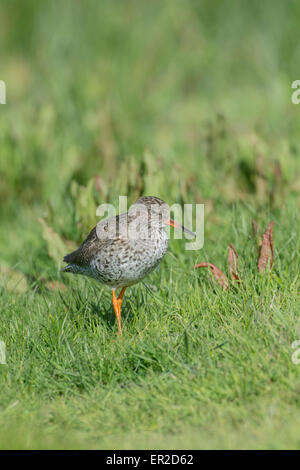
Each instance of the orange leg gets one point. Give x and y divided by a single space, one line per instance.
117 303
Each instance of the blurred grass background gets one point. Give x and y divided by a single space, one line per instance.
186 100
90 87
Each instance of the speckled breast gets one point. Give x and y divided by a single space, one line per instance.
126 261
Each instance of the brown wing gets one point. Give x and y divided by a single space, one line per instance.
93 244
86 251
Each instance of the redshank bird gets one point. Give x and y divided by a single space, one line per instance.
122 250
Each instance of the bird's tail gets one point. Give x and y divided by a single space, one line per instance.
68 269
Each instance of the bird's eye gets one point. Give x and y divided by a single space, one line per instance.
105 228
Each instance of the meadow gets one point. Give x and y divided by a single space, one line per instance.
189 101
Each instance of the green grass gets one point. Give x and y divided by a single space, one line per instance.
190 102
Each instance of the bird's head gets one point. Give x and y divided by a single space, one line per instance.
156 212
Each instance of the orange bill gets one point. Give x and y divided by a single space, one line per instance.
174 224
